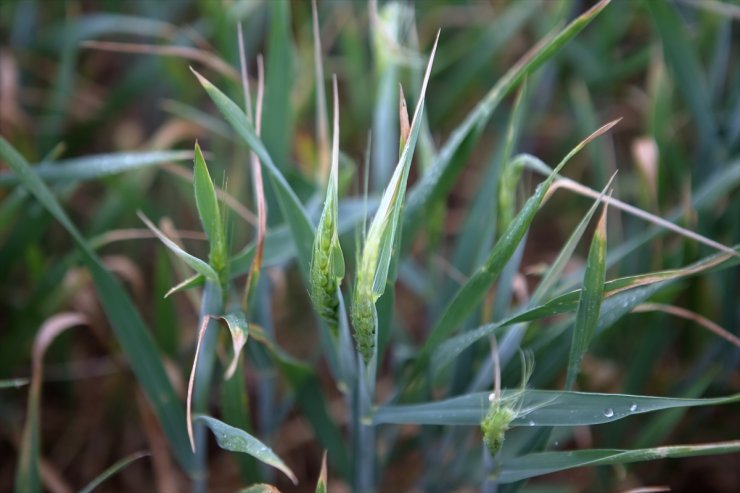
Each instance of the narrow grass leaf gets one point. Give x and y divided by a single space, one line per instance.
322 121
512 170
14 383
539 408
544 288
702 321
321 484
295 370
536 164
472 292
713 190
278 122
538 464
467 63
228 200
206 202
27 477
622 295
589 304
658 428
186 52
97 166
258 183
438 180
189 283
290 206
133 336
386 42
199 117
681 56
193 262
236 440
236 411
115 468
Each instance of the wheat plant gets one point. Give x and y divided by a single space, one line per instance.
511 251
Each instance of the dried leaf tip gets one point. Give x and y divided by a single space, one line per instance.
203 81
335 133
600 231
403 116
601 131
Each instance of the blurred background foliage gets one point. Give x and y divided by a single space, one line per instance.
670 69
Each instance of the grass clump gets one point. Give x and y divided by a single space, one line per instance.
476 238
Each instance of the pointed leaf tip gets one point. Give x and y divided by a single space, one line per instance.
604 128
203 81
321 486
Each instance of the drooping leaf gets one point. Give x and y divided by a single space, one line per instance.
239 329
28 472
236 440
193 262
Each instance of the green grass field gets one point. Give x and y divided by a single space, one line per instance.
369 245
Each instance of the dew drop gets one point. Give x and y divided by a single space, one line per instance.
633 407
608 412
531 423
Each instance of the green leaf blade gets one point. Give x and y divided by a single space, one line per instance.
539 408
472 292
206 202
589 304
236 440
97 166
439 179
118 466
300 225
193 262
130 330
538 464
